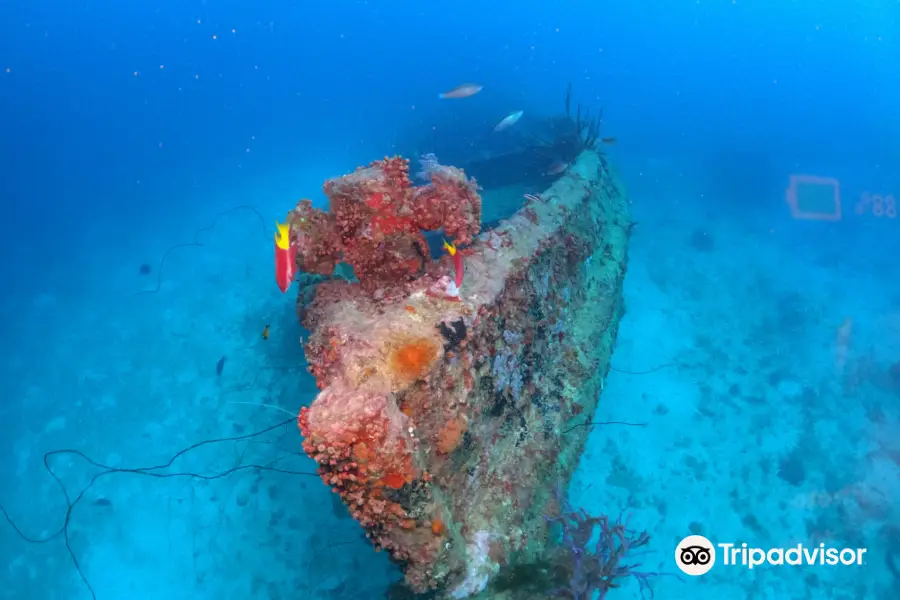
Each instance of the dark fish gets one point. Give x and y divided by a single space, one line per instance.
102 502
220 366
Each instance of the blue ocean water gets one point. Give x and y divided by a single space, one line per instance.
758 141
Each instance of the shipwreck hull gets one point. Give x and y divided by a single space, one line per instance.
525 166
447 426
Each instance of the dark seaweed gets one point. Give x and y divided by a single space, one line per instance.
498 406
453 335
600 567
578 569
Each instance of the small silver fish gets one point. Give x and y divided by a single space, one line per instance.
509 121
461 91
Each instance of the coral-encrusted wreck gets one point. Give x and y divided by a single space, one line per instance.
447 417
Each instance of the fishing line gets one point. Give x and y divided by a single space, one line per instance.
592 423
265 405
255 382
199 244
653 370
151 471
624 423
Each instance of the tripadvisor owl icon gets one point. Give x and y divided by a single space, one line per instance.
695 555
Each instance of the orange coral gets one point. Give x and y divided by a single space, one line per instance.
410 360
393 480
451 435
438 527
361 452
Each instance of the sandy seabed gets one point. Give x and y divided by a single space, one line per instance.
755 431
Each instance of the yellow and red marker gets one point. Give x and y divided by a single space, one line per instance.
457 263
285 256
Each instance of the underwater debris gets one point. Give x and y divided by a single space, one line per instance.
440 417
543 151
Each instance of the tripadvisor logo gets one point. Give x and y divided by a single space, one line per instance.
746 556
696 555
